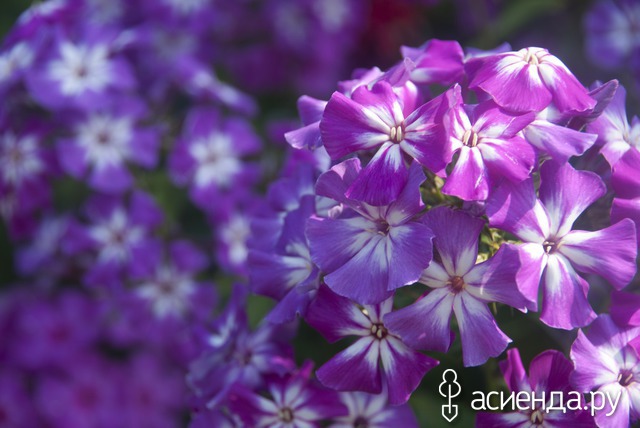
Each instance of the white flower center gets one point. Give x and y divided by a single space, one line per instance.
81 68
217 161
105 139
19 158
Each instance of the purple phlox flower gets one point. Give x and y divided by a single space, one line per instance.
367 252
154 395
529 80
311 110
16 406
51 333
41 256
209 156
296 401
103 142
232 353
615 134
286 272
548 373
436 62
25 169
605 361
463 287
489 148
232 242
14 62
172 291
625 308
612 34
82 74
120 234
378 357
553 252
626 185
378 119
86 396
373 411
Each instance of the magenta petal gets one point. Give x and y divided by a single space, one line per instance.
513 84
626 180
568 93
481 338
336 317
565 296
513 158
513 372
365 277
549 371
307 137
469 178
335 182
456 238
610 253
409 256
425 323
533 261
625 308
409 202
354 369
382 180
494 280
627 208
332 242
514 207
566 193
404 368
559 142
593 367
347 127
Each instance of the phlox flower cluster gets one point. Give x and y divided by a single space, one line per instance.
415 209
463 178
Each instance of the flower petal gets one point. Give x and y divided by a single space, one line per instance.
610 253
565 296
566 193
425 323
481 338
403 367
354 369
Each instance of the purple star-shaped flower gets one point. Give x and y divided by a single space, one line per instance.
553 252
548 372
379 119
367 252
463 287
606 361
378 356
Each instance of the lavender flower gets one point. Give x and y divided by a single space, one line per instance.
548 372
606 361
553 252
379 357
365 251
462 287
